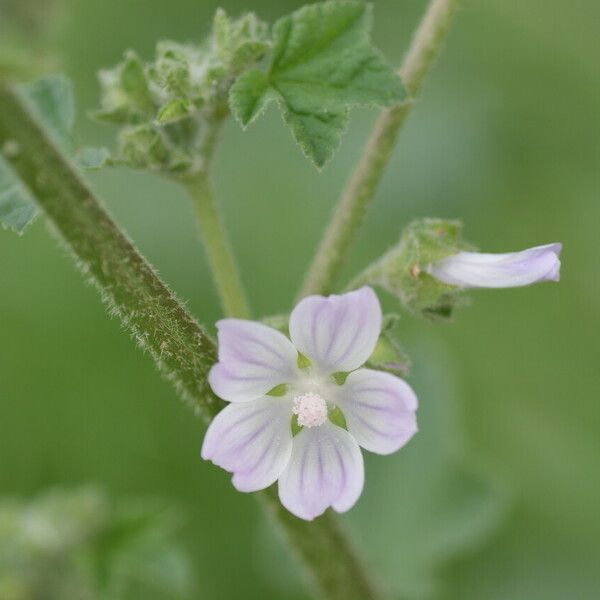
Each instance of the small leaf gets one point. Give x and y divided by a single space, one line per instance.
317 134
173 110
135 84
53 101
144 147
17 206
249 96
322 64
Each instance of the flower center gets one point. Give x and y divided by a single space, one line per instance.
310 409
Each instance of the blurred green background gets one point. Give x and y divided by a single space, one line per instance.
498 497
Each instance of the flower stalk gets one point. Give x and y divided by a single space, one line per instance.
217 246
362 185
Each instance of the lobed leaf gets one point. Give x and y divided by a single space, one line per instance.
322 64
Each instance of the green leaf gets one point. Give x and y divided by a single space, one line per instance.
322 64
249 96
135 84
17 206
53 101
174 110
318 134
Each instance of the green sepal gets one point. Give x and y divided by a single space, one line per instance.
402 271
336 416
278 391
389 355
303 361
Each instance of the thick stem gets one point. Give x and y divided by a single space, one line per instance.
218 248
159 323
128 285
362 185
332 565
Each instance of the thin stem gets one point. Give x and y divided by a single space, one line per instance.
160 324
218 248
362 185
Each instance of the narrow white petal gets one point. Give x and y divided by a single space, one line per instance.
379 409
325 469
252 440
253 359
513 269
337 333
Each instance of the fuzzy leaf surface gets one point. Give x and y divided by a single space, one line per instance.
322 64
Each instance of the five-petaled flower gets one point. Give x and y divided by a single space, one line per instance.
512 269
253 437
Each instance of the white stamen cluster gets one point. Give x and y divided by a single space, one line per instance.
310 409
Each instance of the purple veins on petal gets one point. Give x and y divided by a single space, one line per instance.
253 359
337 333
513 269
322 465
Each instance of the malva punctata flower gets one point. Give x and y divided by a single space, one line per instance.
513 269
298 438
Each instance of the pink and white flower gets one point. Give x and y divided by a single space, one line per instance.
321 465
512 269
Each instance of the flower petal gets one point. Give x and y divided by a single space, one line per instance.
253 359
338 333
252 440
513 269
379 409
326 469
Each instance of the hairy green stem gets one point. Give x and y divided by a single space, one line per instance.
217 247
362 185
159 323
128 285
